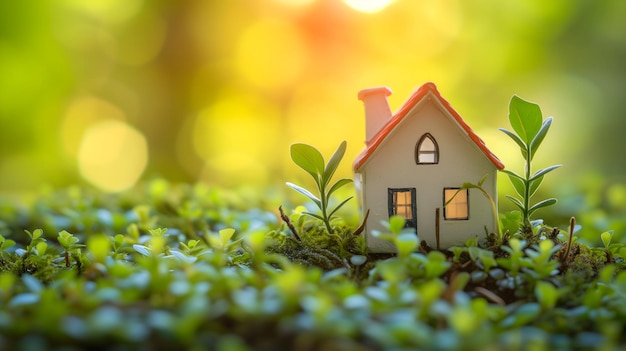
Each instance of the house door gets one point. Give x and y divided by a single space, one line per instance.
402 203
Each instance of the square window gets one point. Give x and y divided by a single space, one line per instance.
402 203
457 207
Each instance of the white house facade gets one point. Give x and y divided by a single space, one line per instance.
414 162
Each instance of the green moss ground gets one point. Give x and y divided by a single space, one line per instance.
190 267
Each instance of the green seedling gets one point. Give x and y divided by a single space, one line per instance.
5 243
37 243
529 130
311 160
70 245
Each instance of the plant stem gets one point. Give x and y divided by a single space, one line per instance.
324 200
527 188
572 223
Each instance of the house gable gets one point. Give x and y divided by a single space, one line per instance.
422 95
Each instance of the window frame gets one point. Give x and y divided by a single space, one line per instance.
419 151
392 207
445 207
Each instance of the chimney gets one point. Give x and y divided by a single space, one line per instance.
377 111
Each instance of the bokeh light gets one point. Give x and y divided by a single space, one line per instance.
368 6
216 91
112 155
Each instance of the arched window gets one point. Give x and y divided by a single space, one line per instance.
426 150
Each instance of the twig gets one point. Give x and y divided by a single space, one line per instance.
490 295
287 221
361 228
572 223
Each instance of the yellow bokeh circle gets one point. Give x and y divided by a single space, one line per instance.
112 155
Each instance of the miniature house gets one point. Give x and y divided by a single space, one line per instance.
414 162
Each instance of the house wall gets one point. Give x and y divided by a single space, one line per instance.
393 166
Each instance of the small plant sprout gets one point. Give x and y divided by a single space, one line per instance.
37 243
529 131
70 245
5 243
311 160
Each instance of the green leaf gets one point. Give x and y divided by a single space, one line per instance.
406 243
534 144
304 192
99 246
541 204
309 159
541 172
534 185
511 221
337 185
339 206
516 202
142 249
333 163
546 294
396 224
358 260
606 238
482 180
517 140
313 215
525 118
41 248
518 182
226 235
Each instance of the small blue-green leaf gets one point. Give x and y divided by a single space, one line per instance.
542 172
525 118
534 144
515 138
33 284
24 299
304 192
308 158
518 182
358 260
516 202
534 185
541 204
522 315
142 249
182 257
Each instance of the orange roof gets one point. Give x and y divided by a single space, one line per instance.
377 140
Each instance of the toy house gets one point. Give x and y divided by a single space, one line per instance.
414 162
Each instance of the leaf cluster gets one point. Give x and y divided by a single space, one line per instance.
311 161
529 131
222 279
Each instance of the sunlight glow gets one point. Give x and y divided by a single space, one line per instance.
368 6
112 155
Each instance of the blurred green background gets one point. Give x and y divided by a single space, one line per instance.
109 92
